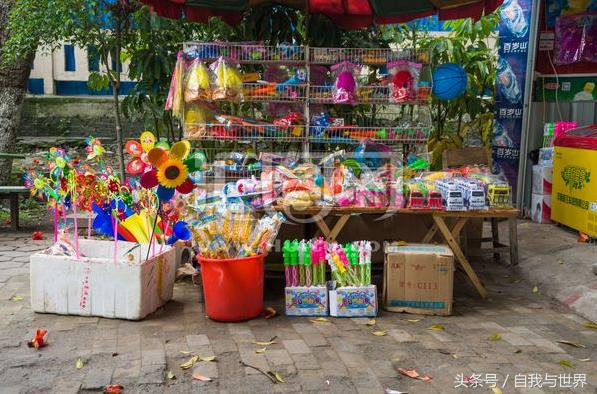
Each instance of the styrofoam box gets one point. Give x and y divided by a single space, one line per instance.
129 288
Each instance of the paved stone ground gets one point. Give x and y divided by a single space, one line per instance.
339 356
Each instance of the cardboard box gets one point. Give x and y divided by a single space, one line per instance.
354 301
418 278
542 179
541 208
306 301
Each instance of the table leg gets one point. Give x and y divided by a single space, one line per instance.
513 233
430 234
495 237
443 228
337 228
323 227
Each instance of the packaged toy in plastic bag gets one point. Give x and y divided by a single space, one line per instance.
197 82
576 39
196 118
345 86
404 77
174 101
228 80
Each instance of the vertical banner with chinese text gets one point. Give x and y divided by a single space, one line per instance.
511 69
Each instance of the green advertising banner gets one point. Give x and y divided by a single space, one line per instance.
578 88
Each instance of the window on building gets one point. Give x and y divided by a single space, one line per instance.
69 58
92 58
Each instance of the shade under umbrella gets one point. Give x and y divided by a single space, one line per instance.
349 14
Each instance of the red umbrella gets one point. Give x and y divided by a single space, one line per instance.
349 14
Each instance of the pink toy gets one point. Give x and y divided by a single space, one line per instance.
404 80
345 86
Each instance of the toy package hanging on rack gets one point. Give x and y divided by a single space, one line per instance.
404 77
197 82
175 99
228 80
575 39
196 118
345 86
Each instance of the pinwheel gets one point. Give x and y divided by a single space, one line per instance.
171 170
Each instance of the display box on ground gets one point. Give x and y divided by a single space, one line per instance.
354 301
306 301
418 278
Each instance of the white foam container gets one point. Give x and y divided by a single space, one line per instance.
128 288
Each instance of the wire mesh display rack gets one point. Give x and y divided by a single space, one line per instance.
387 129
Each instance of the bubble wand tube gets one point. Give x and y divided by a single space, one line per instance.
307 263
286 258
294 262
301 262
367 263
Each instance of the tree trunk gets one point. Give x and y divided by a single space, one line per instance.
13 85
116 93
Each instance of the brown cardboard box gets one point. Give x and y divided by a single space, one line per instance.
418 278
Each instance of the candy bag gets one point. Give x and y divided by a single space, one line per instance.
197 82
196 118
345 86
228 80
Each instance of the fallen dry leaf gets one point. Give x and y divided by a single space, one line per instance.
584 360
261 351
269 313
185 352
582 237
270 342
39 340
455 356
566 363
591 325
371 322
536 289
412 373
573 344
277 376
79 364
518 351
207 358
189 363
320 320
497 390
171 375
496 336
16 298
198 376
392 391
113 389
413 320
436 327
381 333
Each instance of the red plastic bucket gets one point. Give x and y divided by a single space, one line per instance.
232 288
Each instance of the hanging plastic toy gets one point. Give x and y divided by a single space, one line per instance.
197 82
403 83
345 86
228 80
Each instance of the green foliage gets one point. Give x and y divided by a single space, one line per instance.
466 44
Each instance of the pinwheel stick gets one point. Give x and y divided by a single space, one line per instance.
155 221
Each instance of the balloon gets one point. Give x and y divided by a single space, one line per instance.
133 148
181 230
195 161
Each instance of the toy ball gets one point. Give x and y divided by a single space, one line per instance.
449 81
318 180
